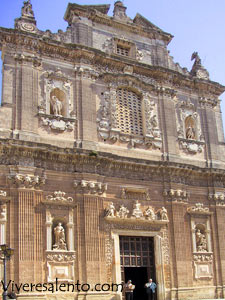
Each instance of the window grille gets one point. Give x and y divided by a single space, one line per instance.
122 51
129 112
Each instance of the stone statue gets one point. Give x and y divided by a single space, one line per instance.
27 9
197 59
149 213
190 134
201 242
60 242
137 212
56 106
123 212
163 214
111 211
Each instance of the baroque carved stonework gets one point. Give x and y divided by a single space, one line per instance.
61 257
91 187
110 131
180 196
3 194
56 110
146 215
199 209
190 137
59 197
218 198
26 181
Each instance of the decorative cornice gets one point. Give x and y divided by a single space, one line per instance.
74 52
78 160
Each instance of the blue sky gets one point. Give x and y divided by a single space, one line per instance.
196 26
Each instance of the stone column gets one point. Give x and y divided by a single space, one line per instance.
48 231
70 232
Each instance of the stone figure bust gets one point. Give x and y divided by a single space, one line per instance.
60 242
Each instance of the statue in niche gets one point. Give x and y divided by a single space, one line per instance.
123 212
56 106
137 212
163 214
190 133
111 211
27 9
60 242
201 242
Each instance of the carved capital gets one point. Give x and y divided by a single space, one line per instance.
90 187
26 181
177 195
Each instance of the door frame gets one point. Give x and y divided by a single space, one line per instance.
161 292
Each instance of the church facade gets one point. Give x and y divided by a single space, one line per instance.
112 161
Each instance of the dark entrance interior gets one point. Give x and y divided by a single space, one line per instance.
137 262
139 277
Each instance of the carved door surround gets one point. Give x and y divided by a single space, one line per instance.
159 257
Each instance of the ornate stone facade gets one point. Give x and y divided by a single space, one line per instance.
102 138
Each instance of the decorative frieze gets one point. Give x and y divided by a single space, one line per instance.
61 257
26 181
90 187
180 196
147 214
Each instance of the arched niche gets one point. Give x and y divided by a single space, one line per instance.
58 94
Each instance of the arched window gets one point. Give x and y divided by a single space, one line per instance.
129 112
190 130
